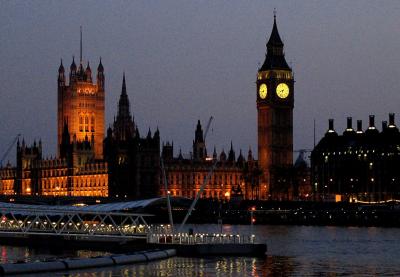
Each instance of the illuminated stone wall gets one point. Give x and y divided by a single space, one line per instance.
186 180
81 105
7 177
55 178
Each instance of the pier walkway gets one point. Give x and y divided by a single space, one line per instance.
71 221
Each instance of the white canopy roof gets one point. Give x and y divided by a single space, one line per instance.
97 208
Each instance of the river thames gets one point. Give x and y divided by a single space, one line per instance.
292 251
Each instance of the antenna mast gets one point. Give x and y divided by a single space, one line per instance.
314 132
81 47
171 221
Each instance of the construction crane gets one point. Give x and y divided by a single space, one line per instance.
171 221
9 149
199 193
207 128
302 150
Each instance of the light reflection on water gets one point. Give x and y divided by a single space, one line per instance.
292 251
183 267
11 254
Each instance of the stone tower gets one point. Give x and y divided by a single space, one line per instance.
199 145
275 101
81 104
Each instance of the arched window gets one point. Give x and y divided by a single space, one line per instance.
80 123
86 123
92 123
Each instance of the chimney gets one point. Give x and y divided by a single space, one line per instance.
391 120
331 129
384 125
371 122
359 127
349 124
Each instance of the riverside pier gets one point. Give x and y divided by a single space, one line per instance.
110 226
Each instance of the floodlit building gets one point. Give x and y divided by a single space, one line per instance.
358 165
231 177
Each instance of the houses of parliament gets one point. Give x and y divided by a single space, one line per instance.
122 162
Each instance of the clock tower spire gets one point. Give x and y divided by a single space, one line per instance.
275 101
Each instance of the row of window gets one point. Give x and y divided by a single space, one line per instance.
278 75
78 193
187 179
86 123
86 105
193 193
360 152
47 184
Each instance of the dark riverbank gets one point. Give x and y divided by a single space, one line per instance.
287 213
211 211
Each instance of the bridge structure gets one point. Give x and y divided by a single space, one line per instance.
103 221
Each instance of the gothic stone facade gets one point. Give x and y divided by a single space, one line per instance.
81 105
35 175
275 100
131 164
134 162
231 177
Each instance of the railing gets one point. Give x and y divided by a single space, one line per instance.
185 238
73 223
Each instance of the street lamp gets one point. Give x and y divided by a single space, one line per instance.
252 219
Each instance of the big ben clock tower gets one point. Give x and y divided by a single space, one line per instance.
275 100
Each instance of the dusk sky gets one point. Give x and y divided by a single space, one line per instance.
189 60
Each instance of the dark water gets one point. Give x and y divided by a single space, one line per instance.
292 251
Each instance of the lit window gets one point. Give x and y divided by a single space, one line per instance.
86 124
92 123
80 123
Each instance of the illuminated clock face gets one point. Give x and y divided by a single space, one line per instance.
263 91
282 90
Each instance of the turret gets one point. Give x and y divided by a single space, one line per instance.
61 75
199 146
199 133
157 134
72 73
240 159
215 155
81 73
167 151
109 132
88 73
123 104
100 76
65 146
231 154
250 155
222 156
124 126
